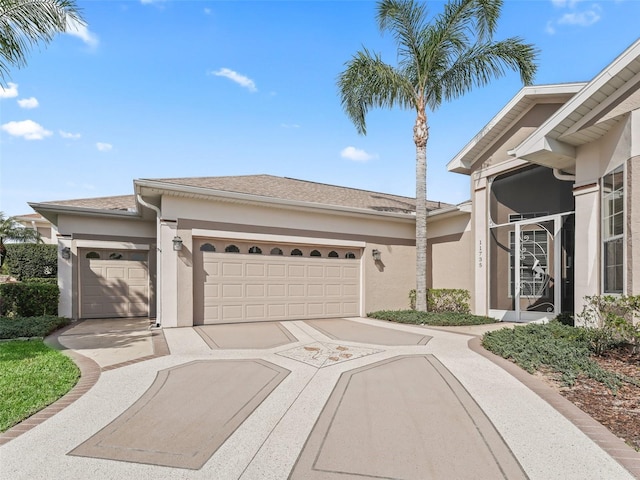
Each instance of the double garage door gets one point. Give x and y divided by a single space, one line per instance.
245 282
113 283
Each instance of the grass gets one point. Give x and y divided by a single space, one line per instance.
445 319
32 376
564 349
21 327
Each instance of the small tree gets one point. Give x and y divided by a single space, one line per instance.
12 231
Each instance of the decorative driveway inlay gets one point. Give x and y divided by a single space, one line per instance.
347 330
404 418
187 413
245 335
320 355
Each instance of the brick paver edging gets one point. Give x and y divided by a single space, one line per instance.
614 446
89 375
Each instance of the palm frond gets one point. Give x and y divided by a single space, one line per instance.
368 82
27 23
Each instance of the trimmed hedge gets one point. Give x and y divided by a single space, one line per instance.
19 327
32 260
444 319
28 299
444 300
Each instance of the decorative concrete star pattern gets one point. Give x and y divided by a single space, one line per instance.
321 355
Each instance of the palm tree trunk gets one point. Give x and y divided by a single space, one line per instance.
420 136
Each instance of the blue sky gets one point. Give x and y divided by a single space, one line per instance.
158 89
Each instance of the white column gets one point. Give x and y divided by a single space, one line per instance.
169 282
481 247
587 243
65 277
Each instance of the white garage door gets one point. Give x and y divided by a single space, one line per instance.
246 282
113 283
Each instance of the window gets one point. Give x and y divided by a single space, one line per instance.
138 256
296 252
315 253
333 254
276 251
515 217
116 256
207 247
613 231
350 255
92 255
255 249
534 267
232 249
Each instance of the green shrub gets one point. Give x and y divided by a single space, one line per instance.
444 300
565 318
430 318
562 348
49 281
28 299
611 320
32 260
20 327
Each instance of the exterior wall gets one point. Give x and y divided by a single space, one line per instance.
112 227
65 281
633 208
386 284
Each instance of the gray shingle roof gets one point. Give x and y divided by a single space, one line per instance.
271 187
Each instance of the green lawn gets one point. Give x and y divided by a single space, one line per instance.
444 319
32 376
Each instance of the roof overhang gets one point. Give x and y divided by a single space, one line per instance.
523 101
587 116
52 211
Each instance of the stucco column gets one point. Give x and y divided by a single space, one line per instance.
65 278
480 248
587 243
184 290
169 281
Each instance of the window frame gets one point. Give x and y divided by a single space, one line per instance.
605 237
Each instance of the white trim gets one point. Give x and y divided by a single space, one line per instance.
109 245
271 238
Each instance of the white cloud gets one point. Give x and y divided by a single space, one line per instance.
9 92
81 31
28 129
207 11
575 14
104 147
240 79
289 125
71 136
31 102
357 155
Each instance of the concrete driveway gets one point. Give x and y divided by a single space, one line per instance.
321 399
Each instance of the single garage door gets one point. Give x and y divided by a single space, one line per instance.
246 282
114 283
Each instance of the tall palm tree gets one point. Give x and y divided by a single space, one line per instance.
27 23
440 58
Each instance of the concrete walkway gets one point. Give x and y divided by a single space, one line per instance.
328 399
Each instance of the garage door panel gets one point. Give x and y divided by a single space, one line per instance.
255 290
211 268
113 287
253 287
232 269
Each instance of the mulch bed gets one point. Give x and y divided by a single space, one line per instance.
619 412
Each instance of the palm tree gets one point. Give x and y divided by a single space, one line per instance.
439 59
27 23
13 231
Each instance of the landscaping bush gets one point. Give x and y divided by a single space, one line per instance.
20 327
32 260
49 281
430 318
28 299
562 348
444 300
610 321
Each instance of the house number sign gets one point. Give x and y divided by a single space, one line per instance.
479 253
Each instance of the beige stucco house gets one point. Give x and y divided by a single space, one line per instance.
190 251
555 189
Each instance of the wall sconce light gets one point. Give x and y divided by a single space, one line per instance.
376 254
66 253
177 243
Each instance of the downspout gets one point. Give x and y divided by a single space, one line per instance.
566 177
158 260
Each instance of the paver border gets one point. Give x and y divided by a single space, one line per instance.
613 445
90 372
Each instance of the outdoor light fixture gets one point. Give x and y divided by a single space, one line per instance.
66 253
375 253
177 243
